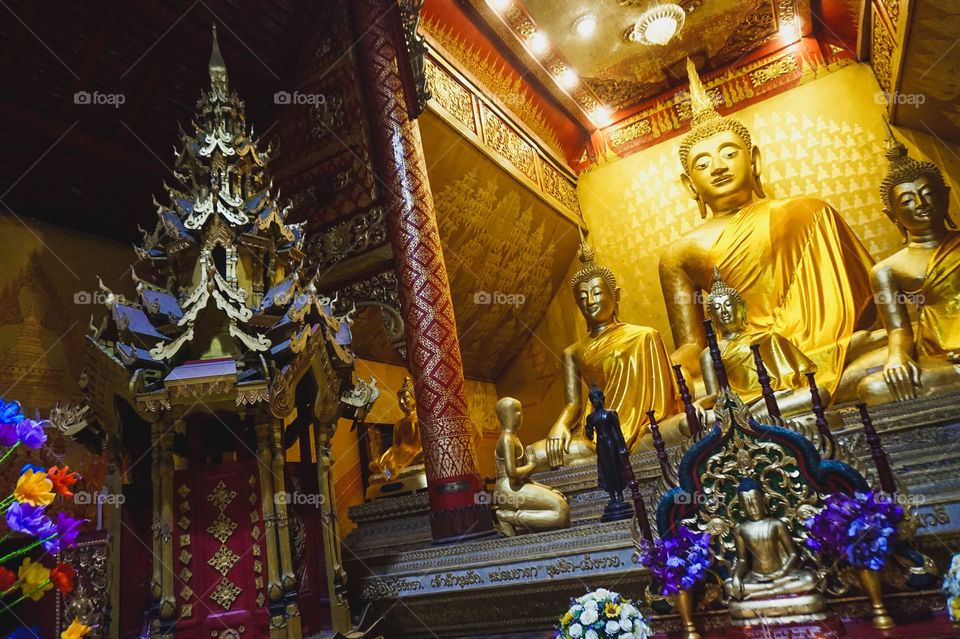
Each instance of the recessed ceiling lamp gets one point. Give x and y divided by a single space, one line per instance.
585 25
499 5
788 32
602 115
658 24
537 42
567 78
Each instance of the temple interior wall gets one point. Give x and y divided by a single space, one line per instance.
824 138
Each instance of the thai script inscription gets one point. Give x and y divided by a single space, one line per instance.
451 580
530 572
939 517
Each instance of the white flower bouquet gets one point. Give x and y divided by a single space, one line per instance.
951 586
603 614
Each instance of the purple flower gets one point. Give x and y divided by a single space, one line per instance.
68 527
31 433
678 562
48 534
10 413
861 528
8 434
26 518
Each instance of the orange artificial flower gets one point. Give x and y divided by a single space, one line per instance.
34 488
62 479
35 578
62 577
75 631
8 579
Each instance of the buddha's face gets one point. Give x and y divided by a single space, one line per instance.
596 301
919 205
727 314
720 169
407 403
753 505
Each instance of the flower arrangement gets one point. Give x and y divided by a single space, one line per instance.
25 512
861 529
951 587
603 614
679 562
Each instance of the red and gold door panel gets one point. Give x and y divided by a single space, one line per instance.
219 553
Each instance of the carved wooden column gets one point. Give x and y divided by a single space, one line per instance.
432 344
168 604
287 578
274 589
332 551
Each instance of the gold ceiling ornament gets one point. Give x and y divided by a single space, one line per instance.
221 496
225 593
223 560
658 24
222 528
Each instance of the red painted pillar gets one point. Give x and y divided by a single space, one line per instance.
432 345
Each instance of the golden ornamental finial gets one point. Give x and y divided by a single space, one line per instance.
721 288
217 67
590 268
406 389
903 168
705 120
700 103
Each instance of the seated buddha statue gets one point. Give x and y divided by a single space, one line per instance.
627 362
766 578
785 364
799 267
923 357
406 449
522 504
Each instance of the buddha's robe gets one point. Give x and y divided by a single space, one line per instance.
784 362
629 363
939 298
405 449
803 274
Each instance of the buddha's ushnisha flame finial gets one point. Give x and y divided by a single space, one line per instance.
705 120
217 67
700 103
590 268
903 168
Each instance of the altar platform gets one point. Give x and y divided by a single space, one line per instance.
504 586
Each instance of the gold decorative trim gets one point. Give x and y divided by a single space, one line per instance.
256 550
186 610
222 528
186 574
221 497
184 540
186 592
225 593
184 523
185 556
223 560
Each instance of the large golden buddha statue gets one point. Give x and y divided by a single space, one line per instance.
785 364
767 579
925 275
802 272
406 448
629 363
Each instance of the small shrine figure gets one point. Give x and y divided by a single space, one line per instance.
611 449
522 504
767 579
406 448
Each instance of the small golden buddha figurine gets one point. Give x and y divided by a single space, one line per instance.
627 361
521 502
925 275
766 579
802 272
784 362
406 448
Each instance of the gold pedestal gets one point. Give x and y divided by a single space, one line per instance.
872 585
685 608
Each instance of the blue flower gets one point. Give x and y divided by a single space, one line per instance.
26 518
10 413
31 433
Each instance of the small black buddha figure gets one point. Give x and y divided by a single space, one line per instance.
611 449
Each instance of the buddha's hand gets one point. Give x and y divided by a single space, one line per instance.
736 587
902 376
555 450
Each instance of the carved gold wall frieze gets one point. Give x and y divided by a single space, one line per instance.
225 593
881 52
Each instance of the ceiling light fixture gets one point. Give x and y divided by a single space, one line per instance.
601 115
788 32
658 24
585 25
499 5
537 42
568 78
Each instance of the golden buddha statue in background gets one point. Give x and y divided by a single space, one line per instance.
924 274
406 448
629 363
785 364
521 502
767 579
802 272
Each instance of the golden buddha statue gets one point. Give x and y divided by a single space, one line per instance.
521 502
406 449
785 364
627 362
766 578
800 269
925 274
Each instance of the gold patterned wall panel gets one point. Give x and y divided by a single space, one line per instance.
821 139
505 250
